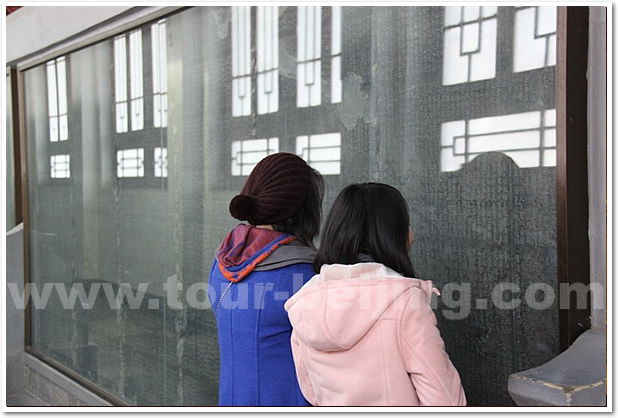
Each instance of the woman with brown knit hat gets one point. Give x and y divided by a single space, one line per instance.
258 266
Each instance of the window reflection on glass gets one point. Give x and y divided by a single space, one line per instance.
241 60
120 77
137 82
159 209
322 152
122 82
160 159
528 138
309 35
336 87
60 166
534 38
130 162
470 34
246 154
159 74
267 59
57 100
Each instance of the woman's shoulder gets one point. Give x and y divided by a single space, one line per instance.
290 255
288 279
289 271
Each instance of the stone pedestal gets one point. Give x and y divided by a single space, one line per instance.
577 377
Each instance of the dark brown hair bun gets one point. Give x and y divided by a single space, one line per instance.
243 207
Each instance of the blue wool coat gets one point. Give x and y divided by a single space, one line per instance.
257 368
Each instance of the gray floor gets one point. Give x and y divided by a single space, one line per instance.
23 399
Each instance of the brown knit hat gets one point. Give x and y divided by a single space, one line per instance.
275 190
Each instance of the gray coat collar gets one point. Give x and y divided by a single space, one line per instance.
293 253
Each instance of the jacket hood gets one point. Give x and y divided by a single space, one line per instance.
245 247
337 307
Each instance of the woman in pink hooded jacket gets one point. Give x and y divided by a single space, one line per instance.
363 331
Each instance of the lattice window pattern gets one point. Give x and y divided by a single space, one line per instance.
160 162
159 74
528 138
247 153
123 97
336 92
137 82
470 41
241 60
267 59
57 100
130 162
309 68
322 152
60 166
534 38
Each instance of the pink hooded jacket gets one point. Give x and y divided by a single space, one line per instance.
363 335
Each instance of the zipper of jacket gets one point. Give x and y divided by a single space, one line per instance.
223 295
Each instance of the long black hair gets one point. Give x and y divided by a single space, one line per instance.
367 219
305 225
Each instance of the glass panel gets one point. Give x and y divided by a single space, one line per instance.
104 235
518 136
470 43
322 152
336 87
137 80
52 99
430 103
268 59
60 166
10 164
159 74
160 158
534 38
309 34
62 98
472 149
131 162
120 80
241 60
246 154
57 100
